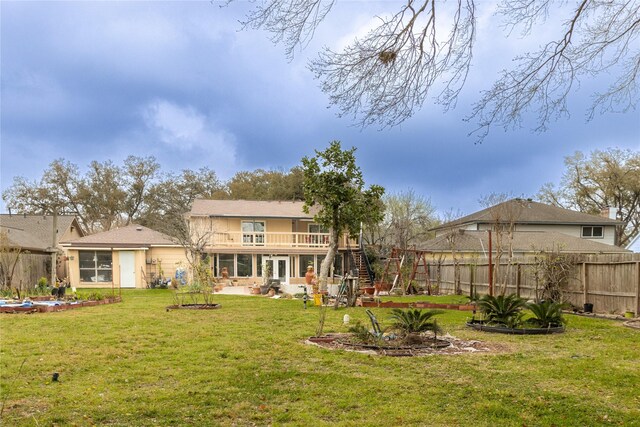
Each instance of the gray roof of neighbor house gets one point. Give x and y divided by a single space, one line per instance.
250 209
131 236
35 232
523 241
524 211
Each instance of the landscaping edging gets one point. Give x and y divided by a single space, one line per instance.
193 307
480 326
418 304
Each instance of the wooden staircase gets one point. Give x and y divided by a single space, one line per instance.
360 264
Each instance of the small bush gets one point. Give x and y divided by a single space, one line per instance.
546 314
503 309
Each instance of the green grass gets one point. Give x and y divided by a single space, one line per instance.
134 363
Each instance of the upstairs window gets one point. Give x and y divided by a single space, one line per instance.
253 233
593 231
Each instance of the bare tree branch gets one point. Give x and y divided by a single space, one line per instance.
386 76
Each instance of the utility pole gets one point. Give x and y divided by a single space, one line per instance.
54 247
490 266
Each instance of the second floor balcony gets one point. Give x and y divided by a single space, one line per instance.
245 239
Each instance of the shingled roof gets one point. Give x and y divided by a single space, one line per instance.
131 236
34 232
250 209
524 211
523 241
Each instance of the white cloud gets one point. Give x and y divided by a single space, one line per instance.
185 129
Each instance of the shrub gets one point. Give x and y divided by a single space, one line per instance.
414 321
502 309
361 334
546 314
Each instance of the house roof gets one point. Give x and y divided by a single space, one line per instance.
523 241
524 211
34 232
634 246
250 209
131 236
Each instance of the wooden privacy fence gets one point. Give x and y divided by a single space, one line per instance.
28 269
610 282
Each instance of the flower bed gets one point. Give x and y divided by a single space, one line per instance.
52 306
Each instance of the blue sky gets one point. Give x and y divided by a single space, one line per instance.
180 81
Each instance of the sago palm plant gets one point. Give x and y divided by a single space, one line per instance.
546 314
414 321
502 309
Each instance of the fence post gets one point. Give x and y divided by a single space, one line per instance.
637 288
518 278
584 283
472 273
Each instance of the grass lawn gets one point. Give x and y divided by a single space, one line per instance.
134 363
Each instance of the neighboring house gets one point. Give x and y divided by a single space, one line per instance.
469 244
127 257
35 234
527 215
245 236
634 246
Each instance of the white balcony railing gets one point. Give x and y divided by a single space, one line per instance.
279 240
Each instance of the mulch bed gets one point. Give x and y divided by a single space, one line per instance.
455 346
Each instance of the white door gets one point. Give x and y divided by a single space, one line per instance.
279 268
127 269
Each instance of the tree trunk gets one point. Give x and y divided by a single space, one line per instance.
327 262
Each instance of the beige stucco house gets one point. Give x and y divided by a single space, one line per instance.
127 257
247 236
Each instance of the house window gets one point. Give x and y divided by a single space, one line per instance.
318 234
304 262
593 231
338 268
258 265
253 233
226 260
96 266
245 267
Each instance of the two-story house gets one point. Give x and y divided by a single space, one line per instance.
527 215
249 238
529 226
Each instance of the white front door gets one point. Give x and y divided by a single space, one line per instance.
279 268
127 269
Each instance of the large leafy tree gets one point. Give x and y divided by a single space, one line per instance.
110 195
384 76
607 178
266 185
171 198
334 186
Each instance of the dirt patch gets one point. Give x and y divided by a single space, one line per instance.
456 346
